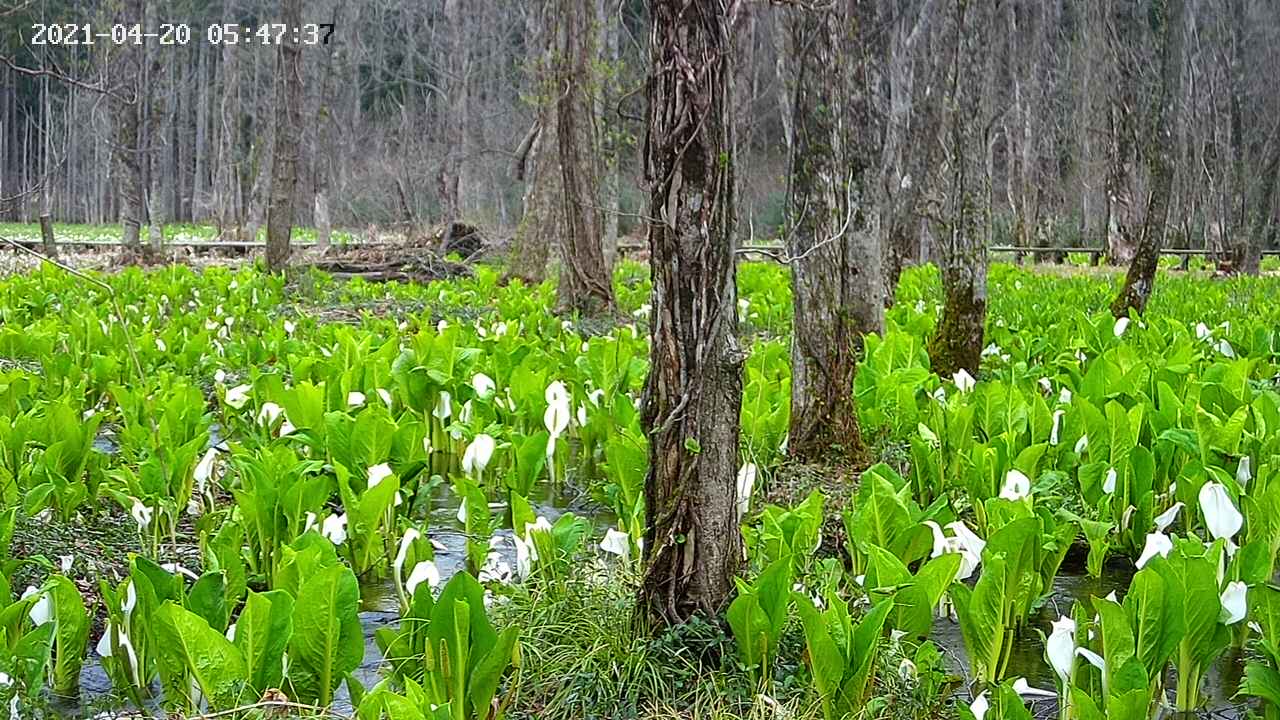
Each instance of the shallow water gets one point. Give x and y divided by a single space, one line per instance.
1027 658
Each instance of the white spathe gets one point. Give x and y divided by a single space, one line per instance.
237 396
1166 518
1082 444
334 527
483 385
1109 483
963 380
141 514
378 473
444 406
204 469
1057 426
355 398
1157 544
1016 486
477 455
406 541
1244 472
1235 605
746 484
617 543
268 413
980 706
1060 647
1121 325
425 571
1220 513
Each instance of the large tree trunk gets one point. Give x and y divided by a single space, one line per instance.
692 398
957 342
284 156
126 102
1141 277
836 269
586 282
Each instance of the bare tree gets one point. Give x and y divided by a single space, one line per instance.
836 269
693 395
586 281
1158 152
284 156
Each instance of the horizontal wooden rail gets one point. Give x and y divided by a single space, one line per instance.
209 244
1166 251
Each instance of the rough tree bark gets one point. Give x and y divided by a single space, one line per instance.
537 160
586 281
693 395
1163 119
836 270
126 102
962 262
284 156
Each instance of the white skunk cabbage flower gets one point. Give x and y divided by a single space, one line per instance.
963 541
425 571
1024 689
1202 331
237 396
1016 486
1220 513
1244 472
334 527
746 484
406 541
355 398
269 412
980 706
1082 444
42 611
141 514
477 455
483 385
617 543
444 406
1057 426
66 562
385 395
1064 396
1060 647
378 473
1234 602
1157 544
1109 482
1166 518
204 469
1121 325
964 381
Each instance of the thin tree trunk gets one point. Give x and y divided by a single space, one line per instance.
693 395
1141 277
126 103
962 262
836 270
586 282
284 156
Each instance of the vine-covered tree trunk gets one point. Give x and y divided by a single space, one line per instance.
284 156
586 281
836 266
693 395
1159 150
962 261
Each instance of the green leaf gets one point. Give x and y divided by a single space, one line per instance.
327 641
263 631
186 640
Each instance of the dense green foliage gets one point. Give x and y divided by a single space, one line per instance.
314 441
